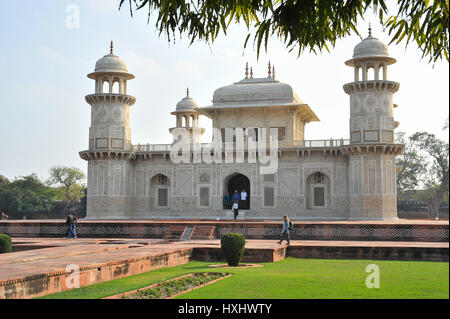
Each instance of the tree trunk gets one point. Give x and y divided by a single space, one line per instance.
433 205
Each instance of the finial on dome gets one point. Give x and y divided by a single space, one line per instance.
246 70
251 72
370 30
273 72
111 47
187 91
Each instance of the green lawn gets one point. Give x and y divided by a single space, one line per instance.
295 278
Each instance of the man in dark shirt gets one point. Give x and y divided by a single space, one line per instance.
71 223
235 197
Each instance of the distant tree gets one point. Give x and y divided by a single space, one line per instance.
69 178
437 175
26 195
306 24
8 198
413 165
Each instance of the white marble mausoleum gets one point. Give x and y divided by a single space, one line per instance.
331 179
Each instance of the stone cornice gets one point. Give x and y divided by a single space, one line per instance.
359 86
93 99
106 154
378 148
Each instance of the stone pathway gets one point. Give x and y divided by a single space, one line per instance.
93 254
88 252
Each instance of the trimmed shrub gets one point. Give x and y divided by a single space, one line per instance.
233 246
5 244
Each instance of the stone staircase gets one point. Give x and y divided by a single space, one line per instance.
204 232
187 233
174 232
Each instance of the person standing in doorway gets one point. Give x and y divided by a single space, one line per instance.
71 222
235 209
244 199
285 231
227 201
235 197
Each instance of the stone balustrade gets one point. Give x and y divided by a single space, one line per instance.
330 143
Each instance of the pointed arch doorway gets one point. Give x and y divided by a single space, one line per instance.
238 182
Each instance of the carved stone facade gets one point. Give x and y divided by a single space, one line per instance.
324 180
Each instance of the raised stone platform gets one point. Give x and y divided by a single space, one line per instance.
40 265
396 230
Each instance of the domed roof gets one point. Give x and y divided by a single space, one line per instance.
370 47
260 91
187 103
110 63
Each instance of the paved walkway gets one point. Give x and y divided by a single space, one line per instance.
91 252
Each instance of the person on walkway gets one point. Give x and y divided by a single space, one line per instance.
235 197
3 216
71 222
227 201
235 209
285 231
244 199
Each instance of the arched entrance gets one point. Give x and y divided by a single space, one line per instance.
317 191
238 182
159 191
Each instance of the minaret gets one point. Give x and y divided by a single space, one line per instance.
110 149
110 116
372 151
188 118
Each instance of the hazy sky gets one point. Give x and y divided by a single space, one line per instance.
45 119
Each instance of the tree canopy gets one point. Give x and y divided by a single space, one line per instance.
69 178
26 194
425 164
308 24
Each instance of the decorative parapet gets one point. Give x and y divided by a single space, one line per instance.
303 148
354 87
318 144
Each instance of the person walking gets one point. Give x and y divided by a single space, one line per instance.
227 201
3 216
244 199
285 231
235 209
71 222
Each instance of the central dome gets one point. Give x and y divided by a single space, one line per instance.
262 91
